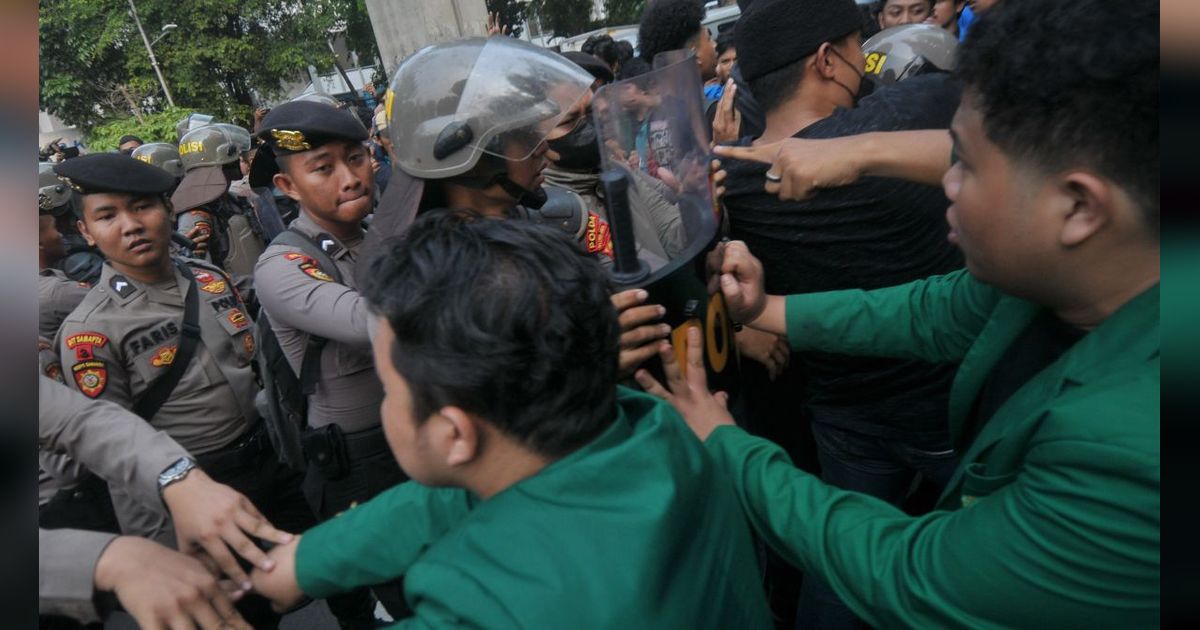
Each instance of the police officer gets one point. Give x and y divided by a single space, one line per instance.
315 154
58 294
144 576
476 138
211 161
163 155
171 340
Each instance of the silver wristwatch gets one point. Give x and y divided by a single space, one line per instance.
175 472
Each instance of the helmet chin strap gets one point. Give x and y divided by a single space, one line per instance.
528 198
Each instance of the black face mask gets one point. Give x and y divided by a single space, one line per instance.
578 150
865 85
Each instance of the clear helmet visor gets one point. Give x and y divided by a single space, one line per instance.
451 103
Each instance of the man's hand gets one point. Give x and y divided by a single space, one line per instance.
211 517
638 330
199 235
718 180
739 275
769 349
727 123
279 585
702 410
494 27
803 165
162 588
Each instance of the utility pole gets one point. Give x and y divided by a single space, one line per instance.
150 51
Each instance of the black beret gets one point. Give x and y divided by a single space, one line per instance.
113 173
772 34
296 127
595 67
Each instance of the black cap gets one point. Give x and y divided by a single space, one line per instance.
595 67
127 138
113 173
296 127
772 34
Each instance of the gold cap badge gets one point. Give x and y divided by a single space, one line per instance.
290 140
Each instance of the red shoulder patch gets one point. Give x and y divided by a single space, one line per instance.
85 343
598 238
91 377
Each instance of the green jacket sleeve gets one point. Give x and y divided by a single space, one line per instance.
935 319
1066 544
377 541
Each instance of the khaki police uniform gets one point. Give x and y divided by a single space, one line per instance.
302 299
58 295
121 448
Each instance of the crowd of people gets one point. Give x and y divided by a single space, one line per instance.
415 358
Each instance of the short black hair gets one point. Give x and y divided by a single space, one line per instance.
632 68
1066 84
774 88
602 47
668 25
624 50
505 319
129 138
725 42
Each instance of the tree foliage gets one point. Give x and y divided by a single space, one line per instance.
621 12
512 14
225 57
565 18
156 127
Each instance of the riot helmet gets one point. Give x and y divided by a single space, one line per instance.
239 135
904 51
162 155
466 108
207 146
54 196
191 122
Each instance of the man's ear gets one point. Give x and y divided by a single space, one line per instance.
464 436
1086 203
87 236
284 182
823 59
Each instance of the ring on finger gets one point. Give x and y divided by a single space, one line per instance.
773 177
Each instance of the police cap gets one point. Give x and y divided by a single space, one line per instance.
113 173
296 127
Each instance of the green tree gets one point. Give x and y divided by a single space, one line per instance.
512 14
225 57
565 18
623 11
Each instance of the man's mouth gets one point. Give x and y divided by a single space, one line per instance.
141 245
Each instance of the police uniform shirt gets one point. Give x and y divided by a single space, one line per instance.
56 471
302 299
125 334
58 295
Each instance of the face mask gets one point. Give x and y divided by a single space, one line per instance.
865 87
578 150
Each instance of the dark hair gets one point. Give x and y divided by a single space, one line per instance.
668 25
725 42
624 50
1056 92
774 88
877 7
506 319
602 47
129 138
632 68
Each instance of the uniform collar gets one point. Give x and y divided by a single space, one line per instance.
124 289
331 245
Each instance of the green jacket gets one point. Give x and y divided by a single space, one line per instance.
637 529
1051 520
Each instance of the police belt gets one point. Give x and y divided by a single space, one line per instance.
366 443
243 451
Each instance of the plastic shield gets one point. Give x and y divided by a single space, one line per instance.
653 128
653 131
